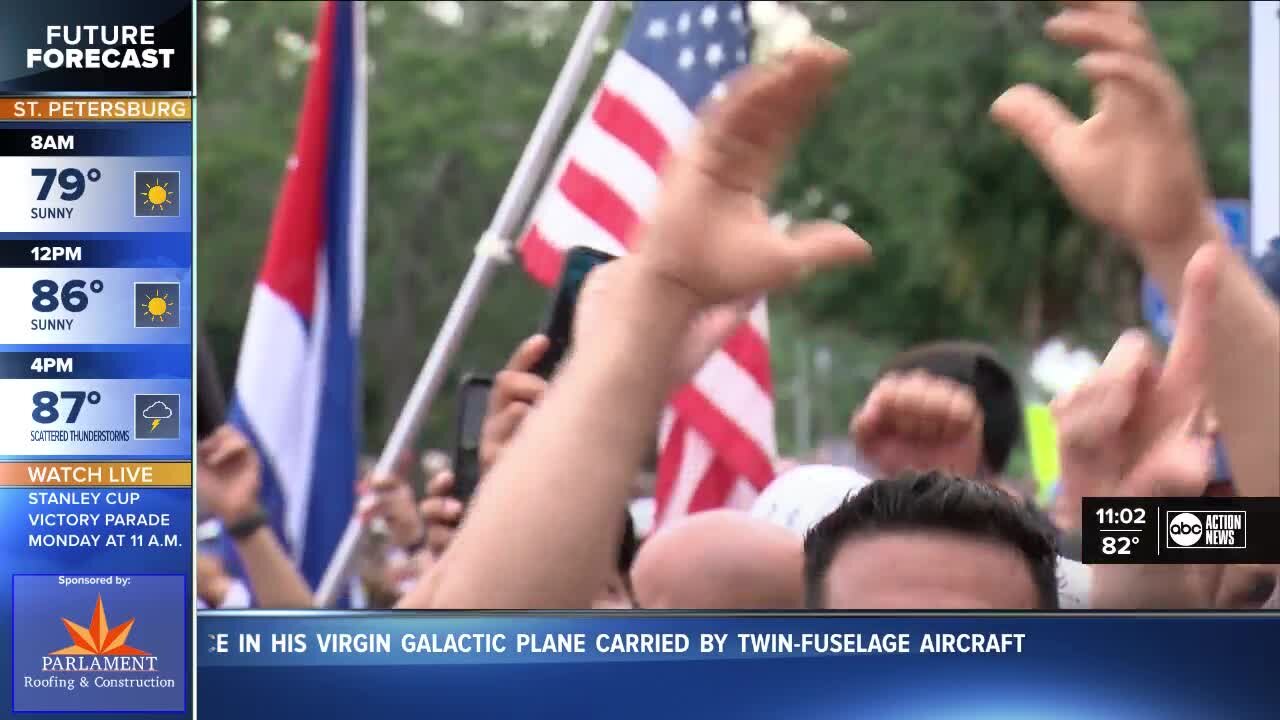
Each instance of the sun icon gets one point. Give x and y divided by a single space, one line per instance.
157 195
158 308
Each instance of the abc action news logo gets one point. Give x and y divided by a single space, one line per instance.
1191 529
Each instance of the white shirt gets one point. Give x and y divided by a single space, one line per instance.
800 497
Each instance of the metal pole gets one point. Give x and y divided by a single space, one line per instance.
1264 117
490 253
803 406
822 369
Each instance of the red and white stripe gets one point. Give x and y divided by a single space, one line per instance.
716 442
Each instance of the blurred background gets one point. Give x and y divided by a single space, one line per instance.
971 239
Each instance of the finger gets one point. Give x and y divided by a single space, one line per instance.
439 537
1132 355
511 386
907 403
873 417
505 423
1038 119
743 138
961 413
1146 80
441 484
1109 397
441 510
376 505
1100 30
932 418
1178 466
498 431
1075 412
206 446
1112 408
528 354
226 449
868 421
380 483
1187 364
820 245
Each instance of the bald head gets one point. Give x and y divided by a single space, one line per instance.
724 560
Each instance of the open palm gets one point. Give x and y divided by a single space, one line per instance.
716 241
1133 166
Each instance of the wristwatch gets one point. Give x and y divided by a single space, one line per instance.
248 524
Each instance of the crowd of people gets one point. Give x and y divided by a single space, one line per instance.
924 518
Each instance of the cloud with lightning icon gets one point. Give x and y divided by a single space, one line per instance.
155 412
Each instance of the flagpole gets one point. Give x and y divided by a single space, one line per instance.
490 252
1264 116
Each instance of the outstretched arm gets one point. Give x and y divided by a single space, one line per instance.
1244 370
709 244
1134 168
230 474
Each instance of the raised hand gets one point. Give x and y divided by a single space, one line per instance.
515 390
230 474
710 236
393 502
920 421
708 331
1130 430
441 511
212 581
1133 166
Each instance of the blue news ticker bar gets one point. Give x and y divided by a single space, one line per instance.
1070 667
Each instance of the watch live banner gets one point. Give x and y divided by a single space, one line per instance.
646 666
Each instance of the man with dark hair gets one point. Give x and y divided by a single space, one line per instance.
920 541
949 406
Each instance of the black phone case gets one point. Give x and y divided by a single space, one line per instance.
466 460
211 400
558 326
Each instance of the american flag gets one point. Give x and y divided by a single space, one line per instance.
716 440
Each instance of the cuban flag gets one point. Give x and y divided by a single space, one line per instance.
297 390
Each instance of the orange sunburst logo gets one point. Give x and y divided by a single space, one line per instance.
98 638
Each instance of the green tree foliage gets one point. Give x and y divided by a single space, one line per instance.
971 238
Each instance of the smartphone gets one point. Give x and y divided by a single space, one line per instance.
473 405
558 327
211 400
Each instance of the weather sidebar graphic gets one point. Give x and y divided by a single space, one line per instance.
96 365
